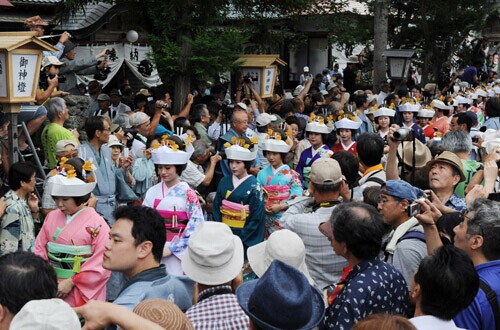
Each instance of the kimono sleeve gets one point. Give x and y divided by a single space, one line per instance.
300 166
253 232
195 218
140 169
92 279
295 185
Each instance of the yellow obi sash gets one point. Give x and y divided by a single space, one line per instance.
233 214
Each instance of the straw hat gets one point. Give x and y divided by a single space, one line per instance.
164 313
422 153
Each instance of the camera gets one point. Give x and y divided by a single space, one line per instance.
403 134
227 109
44 84
475 139
413 209
246 79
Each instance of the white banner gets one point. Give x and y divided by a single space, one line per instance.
118 53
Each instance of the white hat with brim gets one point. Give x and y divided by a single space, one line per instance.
440 105
274 145
114 142
283 245
164 155
51 60
481 92
54 314
236 152
489 145
297 90
384 112
348 124
316 127
408 107
60 185
425 113
463 100
214 255
496 89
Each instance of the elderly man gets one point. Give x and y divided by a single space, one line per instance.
200 118
117 107
239 125
305 214
194 174
477 235
355 231
445 173
405 246
459 142
142 124
58 113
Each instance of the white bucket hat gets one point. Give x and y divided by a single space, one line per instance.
214 255
283 245
52 314
114 142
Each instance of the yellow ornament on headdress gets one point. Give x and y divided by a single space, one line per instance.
234 140
87 166
288 133
63 161
254 140
156 145
277 136
227 145
71 174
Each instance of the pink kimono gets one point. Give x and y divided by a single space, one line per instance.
88 229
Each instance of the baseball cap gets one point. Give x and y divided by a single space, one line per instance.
401 189
265 119
103 97
62 144
326 171
306 69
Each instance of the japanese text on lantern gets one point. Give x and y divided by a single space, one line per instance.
23 66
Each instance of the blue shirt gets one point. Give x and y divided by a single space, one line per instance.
455 202
371 287
479 314
469 74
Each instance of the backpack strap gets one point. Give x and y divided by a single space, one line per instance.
412 235
493 300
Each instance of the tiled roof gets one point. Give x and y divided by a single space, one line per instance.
84 18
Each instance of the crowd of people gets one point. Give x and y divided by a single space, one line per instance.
325 207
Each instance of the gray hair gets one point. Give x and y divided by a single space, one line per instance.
457 141
200 148
55 105
486 222
335 106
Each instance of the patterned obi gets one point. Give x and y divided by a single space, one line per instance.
175 221
233 214
67 259
275 194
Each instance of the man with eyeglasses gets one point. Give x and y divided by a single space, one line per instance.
405 246
478 235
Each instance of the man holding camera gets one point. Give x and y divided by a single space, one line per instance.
405 246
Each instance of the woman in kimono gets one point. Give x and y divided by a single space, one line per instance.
317 133
73 236
347 127
176 202
408 110
279 183
384 117
239 202
424 116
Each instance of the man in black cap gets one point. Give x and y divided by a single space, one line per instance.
116 104
72 67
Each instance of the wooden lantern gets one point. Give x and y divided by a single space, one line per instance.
263 69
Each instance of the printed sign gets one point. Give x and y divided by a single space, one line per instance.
23 71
